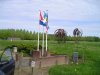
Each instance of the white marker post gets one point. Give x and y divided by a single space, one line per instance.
33 65
15 49
15 53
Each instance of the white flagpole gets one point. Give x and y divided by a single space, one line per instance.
38 37
47 33
38 41
43 43
46 40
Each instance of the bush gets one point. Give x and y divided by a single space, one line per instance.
24 48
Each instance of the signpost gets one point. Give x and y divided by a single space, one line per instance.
32 65
75 57
15 49
15 55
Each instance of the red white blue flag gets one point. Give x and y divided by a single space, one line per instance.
44 19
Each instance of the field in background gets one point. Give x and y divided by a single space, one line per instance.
90 51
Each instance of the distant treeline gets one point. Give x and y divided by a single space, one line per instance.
28 35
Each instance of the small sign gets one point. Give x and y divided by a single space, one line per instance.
75 56
33 64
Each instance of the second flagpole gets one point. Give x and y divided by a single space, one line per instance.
43 43
46 40
38 40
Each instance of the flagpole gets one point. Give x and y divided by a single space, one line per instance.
46 40
38 40
38 37
43 43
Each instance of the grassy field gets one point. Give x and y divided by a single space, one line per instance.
89 50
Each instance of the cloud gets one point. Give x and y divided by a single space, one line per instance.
67 14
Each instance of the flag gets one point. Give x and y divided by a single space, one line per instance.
42 20
47 27
46 19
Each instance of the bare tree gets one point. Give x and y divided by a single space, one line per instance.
77 32
60 35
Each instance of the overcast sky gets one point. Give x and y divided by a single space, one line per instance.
66 14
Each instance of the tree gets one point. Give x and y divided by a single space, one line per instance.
60 35
77 32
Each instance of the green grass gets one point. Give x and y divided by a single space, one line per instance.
73 69
90 50
6 43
